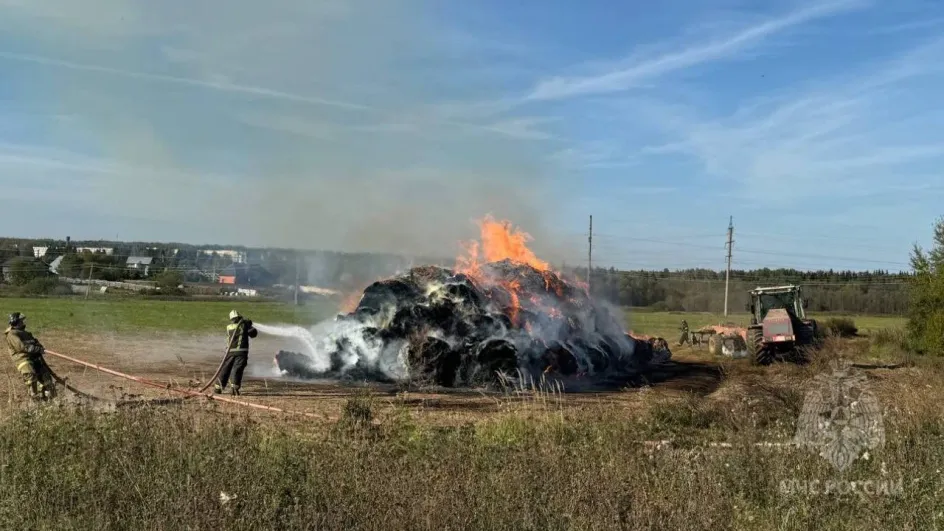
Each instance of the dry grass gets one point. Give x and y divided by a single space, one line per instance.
535 464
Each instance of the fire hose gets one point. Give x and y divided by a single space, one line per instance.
167 387
229 346
62 381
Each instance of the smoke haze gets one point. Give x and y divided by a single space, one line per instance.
348 125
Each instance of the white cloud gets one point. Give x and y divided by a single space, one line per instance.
722 48
862 131
213 85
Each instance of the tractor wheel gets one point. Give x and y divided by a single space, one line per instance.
807 340
759 352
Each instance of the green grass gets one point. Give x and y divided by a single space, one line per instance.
131 315
666 324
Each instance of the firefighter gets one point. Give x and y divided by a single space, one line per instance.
27 353
684 338
239 332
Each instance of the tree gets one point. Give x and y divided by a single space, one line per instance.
169 281
926 311
24 270
71 265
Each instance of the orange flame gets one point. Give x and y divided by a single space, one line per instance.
500 241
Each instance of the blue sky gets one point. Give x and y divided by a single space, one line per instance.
391 125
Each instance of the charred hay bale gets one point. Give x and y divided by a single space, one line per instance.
642 353
481 367
596 357
404 322
599 360
461 288
293 364
558 358
428 274
497 355
394 291
433 359
557 325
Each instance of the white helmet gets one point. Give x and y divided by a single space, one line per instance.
234 315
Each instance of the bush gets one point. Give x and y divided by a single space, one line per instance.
40 287
840 327
895 337
24 270
169 282
926 311
660 306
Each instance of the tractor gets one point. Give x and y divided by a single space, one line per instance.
779 327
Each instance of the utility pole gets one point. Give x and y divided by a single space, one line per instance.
727 275
590 254
88 288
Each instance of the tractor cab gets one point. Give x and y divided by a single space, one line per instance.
788 298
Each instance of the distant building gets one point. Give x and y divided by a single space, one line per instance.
240 257
39 252
96 250
246 275
318 290
54 265
140 263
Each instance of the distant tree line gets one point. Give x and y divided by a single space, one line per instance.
698 290
869 292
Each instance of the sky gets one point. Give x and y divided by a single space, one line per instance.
392 126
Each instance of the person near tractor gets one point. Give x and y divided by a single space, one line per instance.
27 353
684 338
239 331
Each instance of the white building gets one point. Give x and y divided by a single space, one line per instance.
39 252
140 263
105 250
238 257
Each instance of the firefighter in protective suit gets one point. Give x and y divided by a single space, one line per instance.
239 332
684 338
27 353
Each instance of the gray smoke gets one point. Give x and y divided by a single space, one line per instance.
299 124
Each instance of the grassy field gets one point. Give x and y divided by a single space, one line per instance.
666 324
130 315
536 466
414 459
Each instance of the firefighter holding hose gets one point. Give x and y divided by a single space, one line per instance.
239 331
27 353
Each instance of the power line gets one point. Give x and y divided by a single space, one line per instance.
771 252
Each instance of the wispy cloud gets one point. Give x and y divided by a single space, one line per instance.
719 49
855 132
187 81
524 128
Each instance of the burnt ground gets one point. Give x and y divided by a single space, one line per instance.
188 361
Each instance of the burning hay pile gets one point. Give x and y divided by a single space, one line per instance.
465 327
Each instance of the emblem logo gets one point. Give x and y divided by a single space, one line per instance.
841 417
